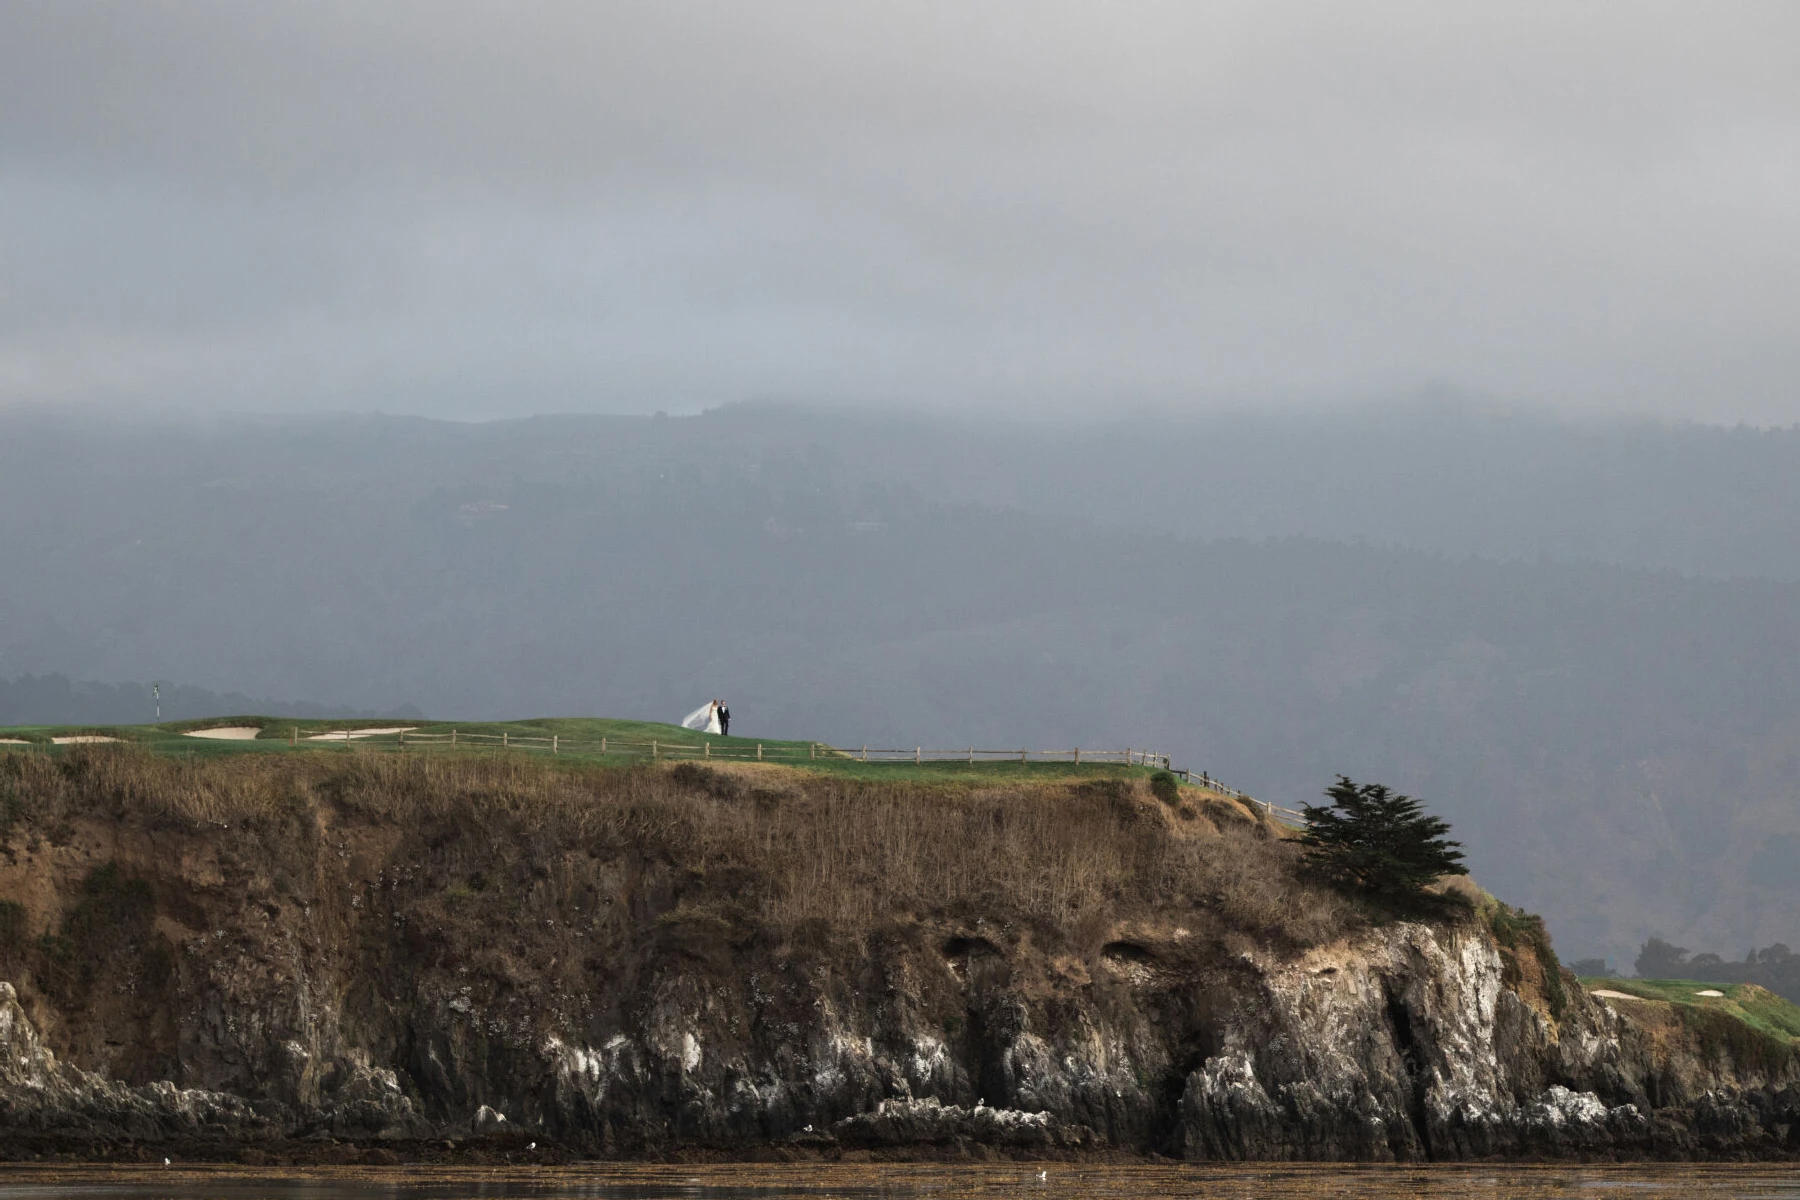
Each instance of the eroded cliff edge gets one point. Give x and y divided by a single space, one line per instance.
378 949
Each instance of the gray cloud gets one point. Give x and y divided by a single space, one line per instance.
486 209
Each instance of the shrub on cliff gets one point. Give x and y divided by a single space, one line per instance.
1527 959
1378 842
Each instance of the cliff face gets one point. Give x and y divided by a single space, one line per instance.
622 973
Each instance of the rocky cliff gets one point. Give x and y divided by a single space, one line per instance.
374 949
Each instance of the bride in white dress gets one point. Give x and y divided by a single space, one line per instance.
705 719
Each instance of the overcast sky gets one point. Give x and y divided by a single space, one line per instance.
489 209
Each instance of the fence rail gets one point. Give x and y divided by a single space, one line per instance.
706 750
813 751
1213 785
759 751
972 754
557 745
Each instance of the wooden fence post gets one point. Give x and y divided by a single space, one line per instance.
759 752
503 736
653 748
1078 756
453 737
553 745
865 752
1023 754
971 756
705 749
294 736
812 749
918 751
603 745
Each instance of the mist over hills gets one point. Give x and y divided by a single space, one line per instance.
1513 637
1432 475
58 700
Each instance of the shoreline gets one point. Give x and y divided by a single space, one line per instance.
511 1151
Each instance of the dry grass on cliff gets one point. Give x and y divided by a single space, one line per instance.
799 849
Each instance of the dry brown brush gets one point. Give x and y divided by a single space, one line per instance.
781 847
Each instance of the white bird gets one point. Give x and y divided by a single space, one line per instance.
533 1146
165 1162
1043 1175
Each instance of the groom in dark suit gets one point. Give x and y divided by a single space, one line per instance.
724 720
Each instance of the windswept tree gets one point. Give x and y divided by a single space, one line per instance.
1379 842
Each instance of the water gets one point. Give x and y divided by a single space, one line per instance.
872 1181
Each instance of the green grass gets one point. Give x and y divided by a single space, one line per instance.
581 734
1756 1007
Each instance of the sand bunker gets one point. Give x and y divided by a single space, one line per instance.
14 742
1609 994
341 735
227 733
1710 992
78 739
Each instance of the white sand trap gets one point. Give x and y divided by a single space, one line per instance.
1710 992
339 735
80 739
1609 994
14 742
227 733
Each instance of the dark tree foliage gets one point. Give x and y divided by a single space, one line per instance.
1776 968
1379 842
1662 960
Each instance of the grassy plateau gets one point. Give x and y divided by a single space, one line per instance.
579 739
1755 1006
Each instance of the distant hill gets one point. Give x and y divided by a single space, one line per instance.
55 700
1438 476
1442 477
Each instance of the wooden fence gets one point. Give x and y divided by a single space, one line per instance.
757 751
1224 789
554 744
972 755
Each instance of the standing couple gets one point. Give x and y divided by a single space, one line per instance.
710 718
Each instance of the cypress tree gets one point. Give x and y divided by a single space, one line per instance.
1378 841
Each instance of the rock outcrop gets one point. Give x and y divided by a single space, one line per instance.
40 1095
336 974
